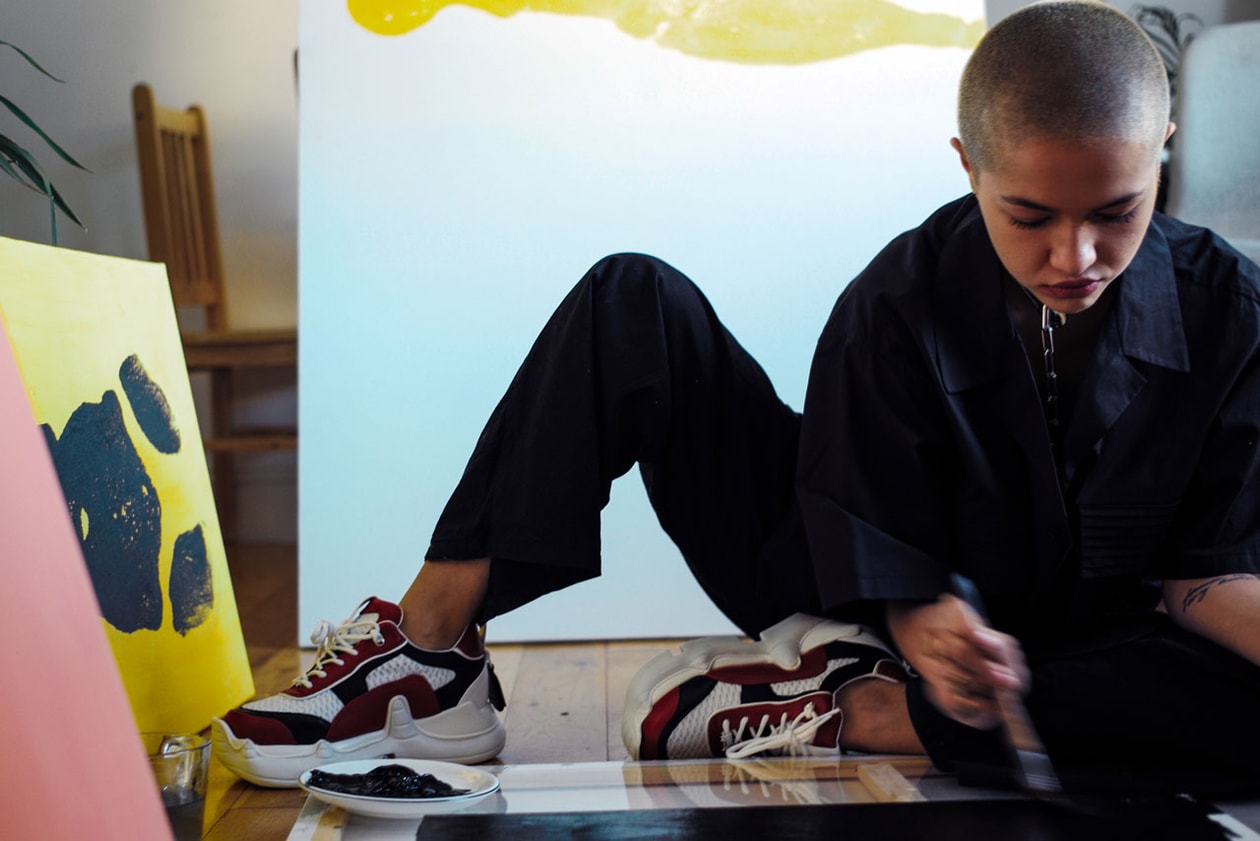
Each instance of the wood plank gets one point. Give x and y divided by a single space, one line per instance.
264 824
240 349
257 797
272 356
223 790
560 712
227 793
887 784
269 336
254 442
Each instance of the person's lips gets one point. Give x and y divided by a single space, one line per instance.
1072 289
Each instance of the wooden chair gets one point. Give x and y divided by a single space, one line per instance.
182 229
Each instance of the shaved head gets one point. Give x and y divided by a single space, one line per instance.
1074 70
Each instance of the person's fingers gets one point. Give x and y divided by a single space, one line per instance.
962 661
964 703
1001 658
956 674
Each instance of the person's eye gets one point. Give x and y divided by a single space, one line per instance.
1027 224
1117 219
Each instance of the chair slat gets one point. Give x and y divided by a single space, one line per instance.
182 228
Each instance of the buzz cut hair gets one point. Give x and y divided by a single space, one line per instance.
1062 69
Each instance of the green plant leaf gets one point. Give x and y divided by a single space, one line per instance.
21 115
21 166
24 54
65 208
30 174
6 164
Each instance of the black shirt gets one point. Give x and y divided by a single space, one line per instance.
925 449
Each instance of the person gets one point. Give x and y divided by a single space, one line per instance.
1048 388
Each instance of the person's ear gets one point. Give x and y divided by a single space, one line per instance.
1169 132
966 163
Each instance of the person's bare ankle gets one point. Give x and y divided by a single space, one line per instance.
430 635
876 719
442 601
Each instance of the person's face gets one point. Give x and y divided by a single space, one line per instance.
1067 217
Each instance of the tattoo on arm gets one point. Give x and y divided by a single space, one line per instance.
1199 592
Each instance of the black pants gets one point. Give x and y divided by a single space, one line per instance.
634 367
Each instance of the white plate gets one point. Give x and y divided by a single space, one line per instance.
479 783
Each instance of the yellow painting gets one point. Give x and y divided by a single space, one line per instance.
99 351
742 31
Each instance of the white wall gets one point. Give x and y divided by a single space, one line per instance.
235 57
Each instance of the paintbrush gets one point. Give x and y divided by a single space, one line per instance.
1033 768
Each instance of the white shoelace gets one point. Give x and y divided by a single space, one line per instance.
333 641
785 736
789 782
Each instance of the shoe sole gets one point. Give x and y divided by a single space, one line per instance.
467 733
779 644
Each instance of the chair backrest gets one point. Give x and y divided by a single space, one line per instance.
177 186
1214 166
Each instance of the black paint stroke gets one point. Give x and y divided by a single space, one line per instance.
115 509
966 820
148 402
191 587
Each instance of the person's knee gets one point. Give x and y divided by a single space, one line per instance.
631 264
630 278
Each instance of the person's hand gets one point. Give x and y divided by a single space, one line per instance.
962 661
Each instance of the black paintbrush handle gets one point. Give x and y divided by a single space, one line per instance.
965 589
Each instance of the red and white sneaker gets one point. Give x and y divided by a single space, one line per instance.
725 696
370 693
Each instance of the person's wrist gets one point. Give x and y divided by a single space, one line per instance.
896 613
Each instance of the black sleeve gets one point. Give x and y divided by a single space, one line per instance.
874 455
1217 530
1218 524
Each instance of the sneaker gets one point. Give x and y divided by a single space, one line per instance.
369 694
724 696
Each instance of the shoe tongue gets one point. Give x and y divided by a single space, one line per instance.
384 611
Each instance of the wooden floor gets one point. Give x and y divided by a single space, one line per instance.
564 700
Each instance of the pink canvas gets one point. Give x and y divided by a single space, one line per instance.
72 765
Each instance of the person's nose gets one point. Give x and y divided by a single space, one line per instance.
1072 250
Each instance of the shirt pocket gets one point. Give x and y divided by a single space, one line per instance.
1123 539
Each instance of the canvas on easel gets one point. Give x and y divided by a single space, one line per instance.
98 347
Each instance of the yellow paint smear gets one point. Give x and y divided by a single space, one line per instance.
741 31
